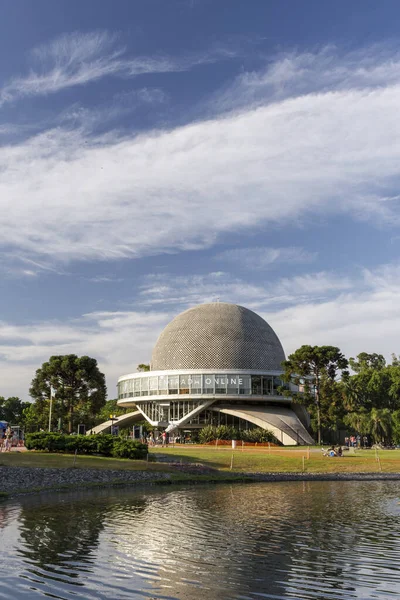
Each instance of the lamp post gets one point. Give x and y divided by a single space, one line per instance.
113 418
51 406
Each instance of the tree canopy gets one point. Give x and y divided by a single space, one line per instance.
110 408
314 369
12 409
77 385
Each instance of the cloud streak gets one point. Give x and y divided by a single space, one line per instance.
77 196
78 59
264 257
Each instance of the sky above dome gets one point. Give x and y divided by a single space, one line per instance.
156 155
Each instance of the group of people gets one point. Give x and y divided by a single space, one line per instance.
333 451
162 439
6 436
154 438
355 441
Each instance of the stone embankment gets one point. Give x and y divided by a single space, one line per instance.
323 476
19 480
26 480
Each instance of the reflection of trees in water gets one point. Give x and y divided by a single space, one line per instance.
348 524
61 533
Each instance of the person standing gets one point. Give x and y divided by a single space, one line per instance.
8 439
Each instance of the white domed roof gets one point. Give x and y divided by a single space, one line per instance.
218 336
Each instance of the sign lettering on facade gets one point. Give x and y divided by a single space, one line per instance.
218 380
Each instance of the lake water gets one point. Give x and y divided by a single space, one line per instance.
319 540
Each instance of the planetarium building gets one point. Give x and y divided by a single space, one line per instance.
216 364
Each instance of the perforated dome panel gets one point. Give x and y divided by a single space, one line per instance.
218 336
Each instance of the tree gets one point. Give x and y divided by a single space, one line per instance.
143 367
110 408
11 410
374 385
381 424
367 361
315 368
359 422
35 417
79 388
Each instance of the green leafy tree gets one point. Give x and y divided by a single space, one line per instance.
359 421
374 384
365 361
79 388
381 425
315 368
110 408
35 416
396 426
11 410
143 367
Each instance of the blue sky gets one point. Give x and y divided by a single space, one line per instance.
155 155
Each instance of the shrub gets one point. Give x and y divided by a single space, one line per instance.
207 434
105 445
45 441
211 433
258 434
224 432
129 449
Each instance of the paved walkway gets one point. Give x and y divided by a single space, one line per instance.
16 449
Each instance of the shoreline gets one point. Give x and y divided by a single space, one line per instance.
22 481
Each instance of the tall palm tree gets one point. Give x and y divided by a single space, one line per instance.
351 394
359 421
381 424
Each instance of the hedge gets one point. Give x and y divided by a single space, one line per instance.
211 433
105 445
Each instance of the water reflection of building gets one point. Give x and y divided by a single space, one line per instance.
276 540
216 364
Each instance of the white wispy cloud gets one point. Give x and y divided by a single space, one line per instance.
121 105
118 340
187 290
82 197
76 59
293 74
262 257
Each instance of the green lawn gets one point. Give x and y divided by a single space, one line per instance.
249 460
285 459
60 461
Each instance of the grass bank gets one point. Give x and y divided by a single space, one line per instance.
283 460
46 460
33 472
248 460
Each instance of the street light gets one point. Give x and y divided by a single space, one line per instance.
51 406
113 418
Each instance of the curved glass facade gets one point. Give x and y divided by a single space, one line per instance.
175 384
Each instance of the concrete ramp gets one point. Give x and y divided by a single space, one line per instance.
281 421
121 421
